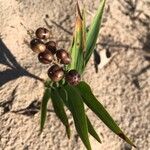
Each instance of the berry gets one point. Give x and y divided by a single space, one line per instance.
55 73
45 57
51 46
42 33
73 77
63 56
37 45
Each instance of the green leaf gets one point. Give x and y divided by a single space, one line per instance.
83 30
94 31
45 99
92 130
100 111
76 107
63 94
78 42
59 109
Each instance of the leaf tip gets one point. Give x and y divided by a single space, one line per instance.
126 139
68 132
79 11
99 140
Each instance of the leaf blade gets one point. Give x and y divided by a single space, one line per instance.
77 48
83 30
100 111
59 109
92 130
63 94
46 97
76 107
94 31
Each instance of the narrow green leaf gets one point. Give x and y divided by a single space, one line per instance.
100 111
83 30
45 99
59 109
76 107
77 48
72 44
63 94
92 130
94 31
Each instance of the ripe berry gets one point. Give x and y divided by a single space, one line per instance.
45 57
63 56
37 45
73 77
51 46
55 73
42 33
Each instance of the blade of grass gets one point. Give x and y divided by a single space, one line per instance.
91 101
94 31
45 99
59 109
76 107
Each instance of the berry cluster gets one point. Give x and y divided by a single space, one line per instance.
57 58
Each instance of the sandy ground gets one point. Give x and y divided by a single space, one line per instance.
123 85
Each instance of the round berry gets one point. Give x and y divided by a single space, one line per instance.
66 61
51 46
55 73
42 33
63 56
73 77
37 45
45 57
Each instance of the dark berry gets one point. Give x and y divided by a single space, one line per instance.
42 33
73 77
55 73
63 56
37 45
51 46
66 61
45 57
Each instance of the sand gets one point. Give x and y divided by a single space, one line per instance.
122 86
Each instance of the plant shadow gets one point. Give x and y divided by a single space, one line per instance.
32 109
15 70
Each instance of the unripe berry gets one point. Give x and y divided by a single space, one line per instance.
37 46
42 33
73 77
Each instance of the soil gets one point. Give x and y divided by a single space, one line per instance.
122 83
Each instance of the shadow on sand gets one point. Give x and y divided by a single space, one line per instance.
15 70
